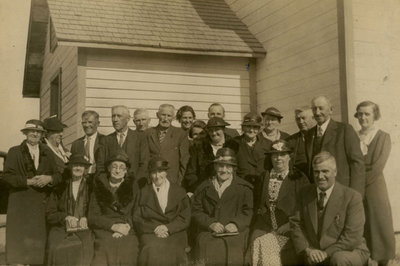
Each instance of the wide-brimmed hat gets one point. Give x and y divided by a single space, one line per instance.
53 124
252 119
78 159
272 111
225 156
158 163
34 124
216 122
278 146
119 156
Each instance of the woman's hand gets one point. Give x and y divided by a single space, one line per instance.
217 227
231 228
121 228
283 229
161 231
71 221
83 223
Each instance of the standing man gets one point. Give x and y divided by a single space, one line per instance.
133 143
328 224
340 140
304 120
89 144
170 143
217 110
141 119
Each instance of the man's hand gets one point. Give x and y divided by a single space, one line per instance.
315 256
217 227
43 180
71 221
283 229
32 181
161 231
231 228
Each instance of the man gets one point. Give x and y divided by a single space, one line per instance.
169 142
217 110
304 120
141 119
133 143
328 224
340 140
89 144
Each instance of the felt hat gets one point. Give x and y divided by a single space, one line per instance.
225 156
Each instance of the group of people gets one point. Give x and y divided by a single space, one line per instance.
201 194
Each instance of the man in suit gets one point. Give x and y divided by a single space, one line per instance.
89 144
141 119
217 110
304 120
340 140
133 143
328 224
170 143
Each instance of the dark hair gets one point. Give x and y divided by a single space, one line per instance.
185 108
198 124
375 109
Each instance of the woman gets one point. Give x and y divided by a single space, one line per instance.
110 214
161 217
222 210
272 118
185 115
54 132
196 130
202 154
375 146
66 213
30 174
275 202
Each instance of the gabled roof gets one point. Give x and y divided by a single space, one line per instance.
192 26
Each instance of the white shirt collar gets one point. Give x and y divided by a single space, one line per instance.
324 126
124 132
162 194
221 188
91 137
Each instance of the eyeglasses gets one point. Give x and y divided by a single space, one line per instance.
121 168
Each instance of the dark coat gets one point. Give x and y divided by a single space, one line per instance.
378 231
135 146
58 162
200 166
106 209
250 160
234 206
148 215
26 224
231 132
174 149
283 136
297 143
342 142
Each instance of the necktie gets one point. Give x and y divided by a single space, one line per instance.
121 139
87 148
158 189
319 132
161 135
321 200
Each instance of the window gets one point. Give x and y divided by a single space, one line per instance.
55 95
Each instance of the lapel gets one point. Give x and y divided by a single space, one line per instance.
173 198
264 192
150 199
309 146
96 143
113 138
297 137
211 193
286 187
154 137
330 133
169 136
333 206
312 208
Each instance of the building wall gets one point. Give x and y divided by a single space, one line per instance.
146 80
373 64
302 42
65 58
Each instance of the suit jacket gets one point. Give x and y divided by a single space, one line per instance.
135 146
174 149
231 132
342 142
297 143
342 224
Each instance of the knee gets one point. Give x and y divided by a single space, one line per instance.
340 259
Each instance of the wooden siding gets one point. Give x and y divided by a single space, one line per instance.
301 39
146 80
65 58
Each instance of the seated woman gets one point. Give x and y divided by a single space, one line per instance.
110 214
66 213
222 210
275 201
161 216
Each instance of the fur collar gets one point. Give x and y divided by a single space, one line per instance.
122 197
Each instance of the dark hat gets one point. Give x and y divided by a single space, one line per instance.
78 159
225 156
53 124
279 145
272 111
199 123
158 163
252 119
119 156
34 124
216 122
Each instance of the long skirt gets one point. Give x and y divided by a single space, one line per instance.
163 251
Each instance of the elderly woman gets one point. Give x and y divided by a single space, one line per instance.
275 202
202 154
185 115
66 213
222 210
375 146
54 132
110 214
272 118
161 217
30 174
